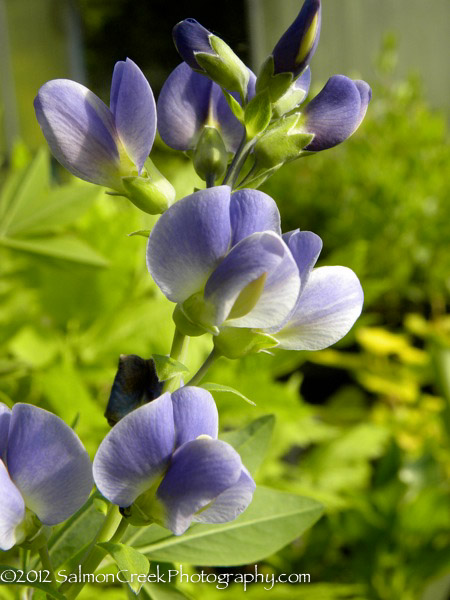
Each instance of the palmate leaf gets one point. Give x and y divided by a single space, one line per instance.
62 247
31 209
273 520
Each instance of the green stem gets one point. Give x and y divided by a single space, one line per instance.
210 179
204 368
113 528
238 161
46 561
178 352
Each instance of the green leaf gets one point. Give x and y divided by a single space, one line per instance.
234 105
258 114
252 441
142 232
59 207
128 559
157 591
217 387
167 367
75 533
273 520
17 574
24 193
62 247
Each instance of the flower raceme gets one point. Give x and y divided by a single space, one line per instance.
221 257
106 146
45 473
163 463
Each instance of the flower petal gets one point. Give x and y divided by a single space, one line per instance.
191 37
135 452
256 256
329 305
297 45
133 106
79 128
365 93
12 511
305 247
303 82
183 107
5 417
230 503
252 211
194 413
48 463
188 241
334 114
200 471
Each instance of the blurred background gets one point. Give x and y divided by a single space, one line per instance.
364 426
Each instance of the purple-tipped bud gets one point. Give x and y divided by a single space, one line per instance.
190 37
296 46
336 112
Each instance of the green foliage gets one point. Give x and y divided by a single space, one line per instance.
380 201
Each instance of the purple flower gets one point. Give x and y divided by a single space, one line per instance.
190 38
94 142
329 302
221 257
336 112
163 463
297 45
44 470
188 102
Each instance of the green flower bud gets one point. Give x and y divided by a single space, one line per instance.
210 155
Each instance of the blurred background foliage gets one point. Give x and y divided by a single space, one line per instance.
363 427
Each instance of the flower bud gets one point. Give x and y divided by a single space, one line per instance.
208 54
210 155
135 383
296 46
292 53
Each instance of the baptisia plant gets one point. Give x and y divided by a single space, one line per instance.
107 146
220 256
45 474
163 463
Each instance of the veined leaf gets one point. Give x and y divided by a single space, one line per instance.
217 387
128 559
62 247
273 520
167 367
252 441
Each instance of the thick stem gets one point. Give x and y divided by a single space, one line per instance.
178 352
204 368
112 529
